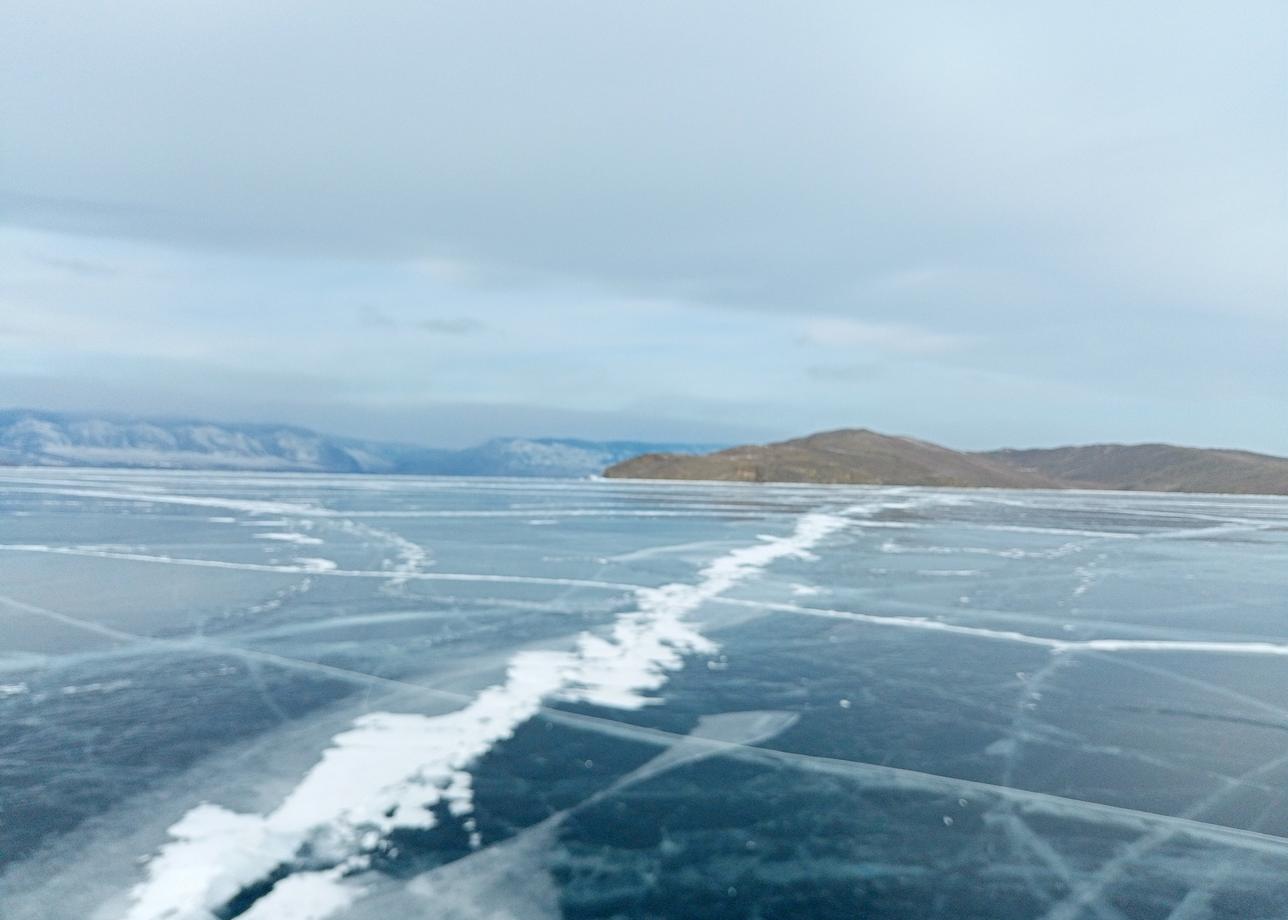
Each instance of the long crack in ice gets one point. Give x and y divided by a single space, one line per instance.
391 770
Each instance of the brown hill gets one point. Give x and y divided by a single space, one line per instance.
859 456
1154 467
854 456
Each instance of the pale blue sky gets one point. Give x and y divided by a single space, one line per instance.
983 224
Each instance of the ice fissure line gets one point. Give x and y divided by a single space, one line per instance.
1005 635
390 769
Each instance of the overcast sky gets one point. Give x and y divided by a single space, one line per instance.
984 224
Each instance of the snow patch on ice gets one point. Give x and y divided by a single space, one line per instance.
305 896
163 498
1003 747
297 538
107 686
410 558
391 769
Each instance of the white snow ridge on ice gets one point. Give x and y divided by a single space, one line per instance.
389 770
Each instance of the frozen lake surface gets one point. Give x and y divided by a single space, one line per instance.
296 697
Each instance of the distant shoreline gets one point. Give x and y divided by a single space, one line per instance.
861 457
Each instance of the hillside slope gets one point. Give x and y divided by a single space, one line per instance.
1154 467
855 456
859 456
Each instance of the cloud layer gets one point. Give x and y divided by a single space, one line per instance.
663 211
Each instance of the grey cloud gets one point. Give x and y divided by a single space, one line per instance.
317 403
376 318
455 325
84 268
845 373
1085 198
763 155
898 338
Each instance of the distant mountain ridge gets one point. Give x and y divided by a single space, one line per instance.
552 457
854 456
37 438
1155 468
851 456
859 456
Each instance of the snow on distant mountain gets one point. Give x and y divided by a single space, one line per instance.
35 438
56 439
545 457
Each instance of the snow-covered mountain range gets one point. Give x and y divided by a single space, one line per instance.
37 438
